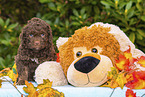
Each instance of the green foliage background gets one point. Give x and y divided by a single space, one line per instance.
65 16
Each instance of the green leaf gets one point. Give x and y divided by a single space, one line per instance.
83 11
75 12
1 22
122 4
138 1
141 42
106 4
2 62
56 21
141 32
7 22
66 23
132 37
130 13
143 18
84 16
38 15
133 28
44 1
12 26
49 22
52 6
96 10
132 21
139 7
140 37
5 42
76 23
128 6
6 36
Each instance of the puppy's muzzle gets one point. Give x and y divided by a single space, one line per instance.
86 64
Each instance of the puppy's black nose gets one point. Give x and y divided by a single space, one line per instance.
86 64
37 43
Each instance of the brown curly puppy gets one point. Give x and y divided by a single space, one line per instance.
36 47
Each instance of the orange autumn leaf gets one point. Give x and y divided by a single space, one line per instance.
46 83
111 83
141 61
138 81
126 61
122 63
45 90
127 74
42 90
130 93
116 78
13 74
121 80
113 73
30 89
49 92
4 72
129 77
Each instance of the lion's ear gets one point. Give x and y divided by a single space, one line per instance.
61 41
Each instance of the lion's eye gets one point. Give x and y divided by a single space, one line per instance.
94 50
79 53
31 35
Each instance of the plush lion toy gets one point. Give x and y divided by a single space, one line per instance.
89 54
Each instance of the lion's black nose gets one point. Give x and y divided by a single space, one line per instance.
86 64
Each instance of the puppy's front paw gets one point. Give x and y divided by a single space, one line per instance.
21 82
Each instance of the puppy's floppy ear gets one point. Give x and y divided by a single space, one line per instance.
49 32
49 28
23 35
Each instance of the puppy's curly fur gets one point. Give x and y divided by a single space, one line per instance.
36 47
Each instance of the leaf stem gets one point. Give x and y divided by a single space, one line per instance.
14 86
143 95
112 92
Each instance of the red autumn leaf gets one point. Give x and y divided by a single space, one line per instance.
130 93
57 60
138 81
141 61
125 64
120 64
126 61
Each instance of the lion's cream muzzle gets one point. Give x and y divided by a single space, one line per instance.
89 70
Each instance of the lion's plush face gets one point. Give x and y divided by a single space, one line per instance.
90 67
88 55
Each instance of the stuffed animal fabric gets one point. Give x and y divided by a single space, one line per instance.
89 54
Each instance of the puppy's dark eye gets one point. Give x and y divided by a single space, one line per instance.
42 35
79 53
94 50
31 35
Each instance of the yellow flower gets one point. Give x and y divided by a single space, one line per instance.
80 16
81 22
5 26
126 11
10 30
